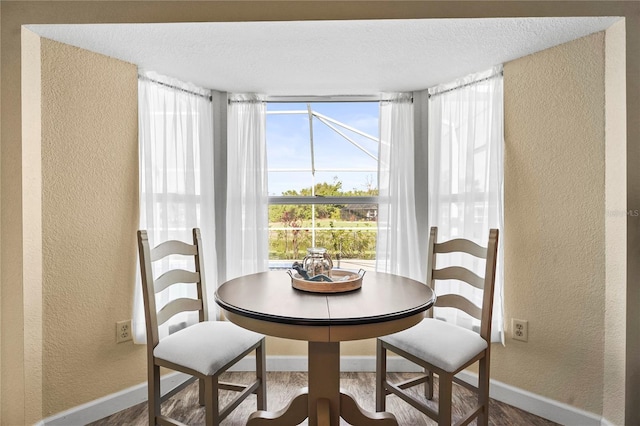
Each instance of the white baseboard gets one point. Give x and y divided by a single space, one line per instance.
547 408
527 401
111 404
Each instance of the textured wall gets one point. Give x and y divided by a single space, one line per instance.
90 216
554 241
32 234
615 225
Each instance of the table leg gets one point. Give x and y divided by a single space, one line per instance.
293 414
355 415
322 402
324 392
324 382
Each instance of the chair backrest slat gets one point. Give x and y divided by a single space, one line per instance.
175 276
152 285
172 247
461 245
459 302
459 273
176 306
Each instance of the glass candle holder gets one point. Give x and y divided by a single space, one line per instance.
317 261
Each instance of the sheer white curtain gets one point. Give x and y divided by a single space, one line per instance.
466 139
247 197
176 182
397 249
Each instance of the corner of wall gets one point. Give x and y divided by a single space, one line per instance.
31 286
615 224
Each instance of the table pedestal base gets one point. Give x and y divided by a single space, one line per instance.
322 402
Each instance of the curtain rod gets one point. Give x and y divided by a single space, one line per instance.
142 77
321 98
466 84
315 99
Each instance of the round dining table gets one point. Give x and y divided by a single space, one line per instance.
267 303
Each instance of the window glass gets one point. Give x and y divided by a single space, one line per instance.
316 152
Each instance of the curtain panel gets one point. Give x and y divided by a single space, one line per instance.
466 143
176 184
397 247
247 226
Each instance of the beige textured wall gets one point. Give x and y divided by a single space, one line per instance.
32 217
615 225
89 220
16 252
554 241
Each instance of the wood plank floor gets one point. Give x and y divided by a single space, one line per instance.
282 385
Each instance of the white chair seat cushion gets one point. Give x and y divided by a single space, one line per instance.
207 346
439 343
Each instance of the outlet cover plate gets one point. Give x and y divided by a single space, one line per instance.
123 331
519 330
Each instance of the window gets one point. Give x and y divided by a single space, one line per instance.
323 181
466 139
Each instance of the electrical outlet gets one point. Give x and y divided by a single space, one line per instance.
123 331
520 329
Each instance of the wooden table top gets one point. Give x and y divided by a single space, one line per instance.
269 296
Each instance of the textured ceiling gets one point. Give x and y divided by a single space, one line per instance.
324 57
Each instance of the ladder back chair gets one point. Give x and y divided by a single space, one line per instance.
203 350
444 348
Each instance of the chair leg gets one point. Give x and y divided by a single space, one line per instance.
381 375
153 393
428 385
211 401
201 399
445 385
261 374
483 391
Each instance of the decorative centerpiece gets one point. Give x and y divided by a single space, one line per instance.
317 263
316 274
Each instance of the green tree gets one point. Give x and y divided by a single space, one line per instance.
293 240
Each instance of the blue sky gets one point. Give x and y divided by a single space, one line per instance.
288 145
